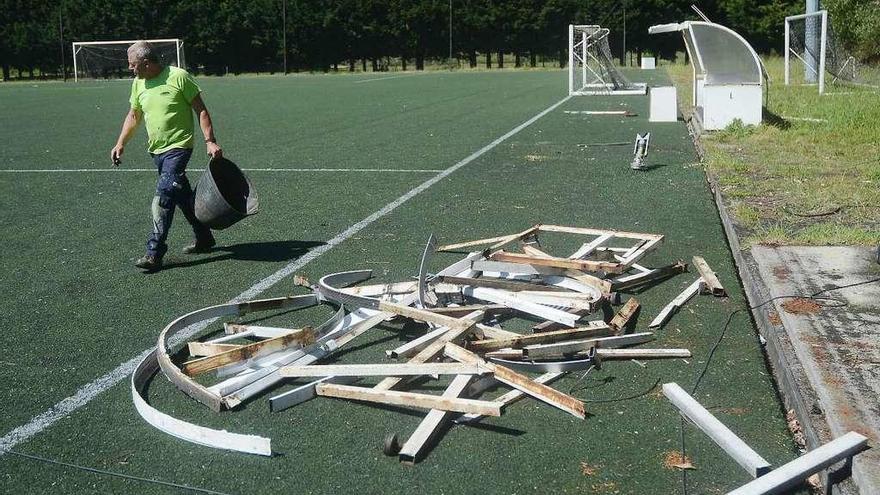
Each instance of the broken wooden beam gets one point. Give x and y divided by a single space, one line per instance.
584 265
676 303
414 369
621 320
518 381
410 399
540 338
709 276
560 349
304 336
632 281
430 425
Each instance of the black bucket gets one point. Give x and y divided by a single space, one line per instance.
224 195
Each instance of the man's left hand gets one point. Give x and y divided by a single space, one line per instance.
214 150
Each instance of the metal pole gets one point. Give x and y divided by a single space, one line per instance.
450 31
822 52
570 59
61 42
787 49
623 57
810 33
73 50
284 33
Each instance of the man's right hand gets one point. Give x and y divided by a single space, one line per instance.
116 154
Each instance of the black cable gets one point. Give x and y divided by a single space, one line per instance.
110 473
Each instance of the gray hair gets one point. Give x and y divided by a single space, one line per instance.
143 51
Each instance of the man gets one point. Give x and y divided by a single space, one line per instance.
165 97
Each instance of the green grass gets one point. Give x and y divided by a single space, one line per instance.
75 307
810 173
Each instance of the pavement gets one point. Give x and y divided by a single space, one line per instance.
835 341
822 345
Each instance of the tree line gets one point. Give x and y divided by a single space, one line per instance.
320 35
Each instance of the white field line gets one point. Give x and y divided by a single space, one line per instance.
382 78
91 390
114 170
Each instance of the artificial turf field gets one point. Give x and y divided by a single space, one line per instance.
75 308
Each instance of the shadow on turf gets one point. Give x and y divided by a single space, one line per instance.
253 251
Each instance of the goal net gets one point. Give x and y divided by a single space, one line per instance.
591 69
109 59
810 45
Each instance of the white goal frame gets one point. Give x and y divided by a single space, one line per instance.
178 43
580 39
823 45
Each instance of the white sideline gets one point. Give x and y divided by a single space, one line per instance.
115 170
91 390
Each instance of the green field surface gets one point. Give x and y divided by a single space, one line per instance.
75 308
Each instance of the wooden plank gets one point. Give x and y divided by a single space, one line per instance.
515 354
534 251
583 279
549 326
795 472
518 381
422 315
630 281
514 301
435 348
380 369
588 247
209 348
430 426
735 447
412 347
529 231
500 241
709 277
410 399
500 284
585 265
676 303
621 319
490 332
541 338
589 231
548 351
512 396
460 311
304 336
642 353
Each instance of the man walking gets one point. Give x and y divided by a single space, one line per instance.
165 97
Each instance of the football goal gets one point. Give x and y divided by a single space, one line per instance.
109 59
591 69
810 39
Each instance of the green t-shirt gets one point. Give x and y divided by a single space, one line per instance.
165 101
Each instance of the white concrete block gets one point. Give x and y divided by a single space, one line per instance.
648 63
664 104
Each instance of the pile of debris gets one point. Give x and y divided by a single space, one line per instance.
461 306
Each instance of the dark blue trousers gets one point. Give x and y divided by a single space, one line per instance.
172 190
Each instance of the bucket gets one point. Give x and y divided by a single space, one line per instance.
224 195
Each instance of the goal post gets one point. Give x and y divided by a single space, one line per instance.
807 45
591 69
105 59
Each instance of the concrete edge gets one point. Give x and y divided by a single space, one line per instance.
788 373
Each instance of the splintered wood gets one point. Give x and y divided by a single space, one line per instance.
522 275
